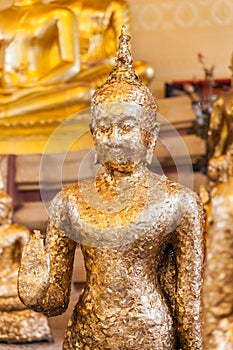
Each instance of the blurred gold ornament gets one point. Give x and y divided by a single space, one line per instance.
141 236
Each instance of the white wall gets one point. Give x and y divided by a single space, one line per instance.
170 33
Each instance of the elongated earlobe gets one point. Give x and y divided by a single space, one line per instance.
96 159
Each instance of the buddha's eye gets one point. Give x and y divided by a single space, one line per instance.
126 127
101 130
106 128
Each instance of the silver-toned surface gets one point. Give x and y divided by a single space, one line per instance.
141 237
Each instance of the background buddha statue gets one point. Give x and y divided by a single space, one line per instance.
49 64
218 281
141 236
220 134
39 55
17 324
99 25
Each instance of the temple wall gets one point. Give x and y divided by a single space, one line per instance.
170 33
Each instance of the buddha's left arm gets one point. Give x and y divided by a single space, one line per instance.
189 251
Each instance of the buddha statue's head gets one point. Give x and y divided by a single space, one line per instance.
6 206
123 113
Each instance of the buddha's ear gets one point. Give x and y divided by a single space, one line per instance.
96 159
91 127
152 137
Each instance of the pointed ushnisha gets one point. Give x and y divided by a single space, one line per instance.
123 84
123 63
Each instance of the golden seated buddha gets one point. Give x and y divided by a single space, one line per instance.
42 78
34 80
99 25
17 323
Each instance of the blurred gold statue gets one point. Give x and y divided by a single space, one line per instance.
99 25
220 134
42 78
141 236
39 56
218 281
17 324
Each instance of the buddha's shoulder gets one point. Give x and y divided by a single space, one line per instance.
171 188
75 189
155 184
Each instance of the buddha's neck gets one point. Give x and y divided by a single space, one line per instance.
25 2
112 185
136 173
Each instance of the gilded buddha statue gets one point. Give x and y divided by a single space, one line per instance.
17 323
39 55
44 76
220 134
141 236
218 281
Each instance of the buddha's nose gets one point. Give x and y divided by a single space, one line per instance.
114 134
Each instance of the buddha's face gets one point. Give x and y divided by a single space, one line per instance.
119 134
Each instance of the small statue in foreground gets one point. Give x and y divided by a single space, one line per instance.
17 324
218 281
141 236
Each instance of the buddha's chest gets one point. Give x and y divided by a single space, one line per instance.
121 222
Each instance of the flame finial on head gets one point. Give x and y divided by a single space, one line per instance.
123 64
123 84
